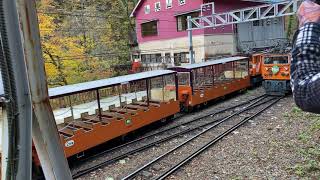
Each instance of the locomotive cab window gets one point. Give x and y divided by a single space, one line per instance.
276 60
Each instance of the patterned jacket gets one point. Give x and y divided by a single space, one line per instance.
305 68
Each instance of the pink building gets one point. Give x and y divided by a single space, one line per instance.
161 30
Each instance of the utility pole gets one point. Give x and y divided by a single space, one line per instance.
191 52
44 130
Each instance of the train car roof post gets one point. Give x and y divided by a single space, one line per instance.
119 87
148 91
163 85
191 82
212 69
71 108
177 86
191 52
99 105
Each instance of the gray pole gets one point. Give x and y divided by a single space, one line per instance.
191 52
19 109
44 129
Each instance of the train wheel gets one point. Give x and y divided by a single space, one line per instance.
190 109
163 120
80 155
124 137
198 107
243 91
170 118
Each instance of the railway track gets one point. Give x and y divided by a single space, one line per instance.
169 129
256 102
169 156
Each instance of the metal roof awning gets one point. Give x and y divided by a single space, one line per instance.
209 63
103 83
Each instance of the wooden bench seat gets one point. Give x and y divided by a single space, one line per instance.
66 131
112 115
122 110
199 88
96 119
156 102
131 106
146 104
81 124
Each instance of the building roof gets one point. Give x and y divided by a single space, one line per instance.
103 83
210 63
258 1
135 8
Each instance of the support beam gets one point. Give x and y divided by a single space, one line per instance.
16 89
44 129
266 11
191 52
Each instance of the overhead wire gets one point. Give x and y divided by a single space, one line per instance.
82 13
64 58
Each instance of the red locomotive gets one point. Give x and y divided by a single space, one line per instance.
275 71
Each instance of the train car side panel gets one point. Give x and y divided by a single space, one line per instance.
219 90
110 129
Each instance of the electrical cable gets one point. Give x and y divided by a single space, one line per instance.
10 93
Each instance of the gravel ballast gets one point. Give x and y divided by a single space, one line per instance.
265 148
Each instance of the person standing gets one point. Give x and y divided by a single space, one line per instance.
305 65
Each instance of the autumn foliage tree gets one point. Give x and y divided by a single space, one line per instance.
82 39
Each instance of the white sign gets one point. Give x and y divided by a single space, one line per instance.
69 143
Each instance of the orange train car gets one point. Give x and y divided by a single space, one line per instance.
203 82
92 113
255 69
276 73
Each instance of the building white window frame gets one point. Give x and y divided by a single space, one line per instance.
182 19
151 31
147 9
182 2
157 6
168 4
205 6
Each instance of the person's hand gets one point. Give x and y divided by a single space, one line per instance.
309 11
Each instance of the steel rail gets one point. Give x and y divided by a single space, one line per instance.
253 105
214 141
169 129
90 169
